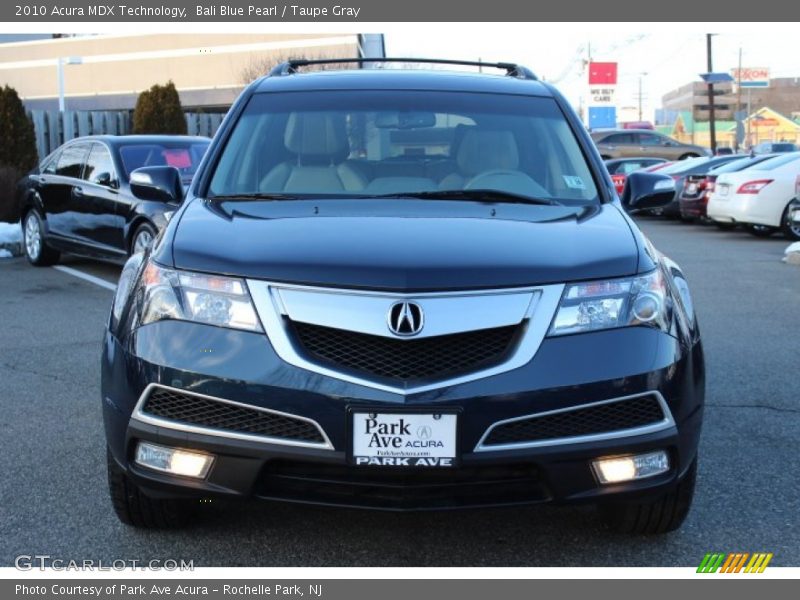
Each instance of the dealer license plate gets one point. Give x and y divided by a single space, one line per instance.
691 189
404 439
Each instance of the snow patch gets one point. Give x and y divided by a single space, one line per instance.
5 254
10 233
792 248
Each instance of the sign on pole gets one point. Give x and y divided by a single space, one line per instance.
752 77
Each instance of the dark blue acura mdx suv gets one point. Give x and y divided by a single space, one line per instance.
403 290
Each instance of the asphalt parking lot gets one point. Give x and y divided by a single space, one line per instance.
53 497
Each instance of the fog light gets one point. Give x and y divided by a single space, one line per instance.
628 468
174 460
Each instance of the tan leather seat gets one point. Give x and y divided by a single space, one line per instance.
481 151
319 142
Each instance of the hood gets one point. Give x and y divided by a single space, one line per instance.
412 245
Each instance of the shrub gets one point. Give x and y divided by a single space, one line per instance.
158 110
17 150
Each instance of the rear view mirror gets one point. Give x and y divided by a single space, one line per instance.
405 120
159 184
645 191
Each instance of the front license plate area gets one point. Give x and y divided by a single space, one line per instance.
404 439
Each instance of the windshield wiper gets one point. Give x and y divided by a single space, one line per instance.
487 195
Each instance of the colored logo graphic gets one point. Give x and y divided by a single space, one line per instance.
735 562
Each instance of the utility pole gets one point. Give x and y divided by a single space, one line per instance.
640 95
711 116
738 97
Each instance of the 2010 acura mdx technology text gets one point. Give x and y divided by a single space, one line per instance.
403 290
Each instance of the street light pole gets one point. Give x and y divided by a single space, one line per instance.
711 116
60 63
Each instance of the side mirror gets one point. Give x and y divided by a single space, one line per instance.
160 184
104 178
645 191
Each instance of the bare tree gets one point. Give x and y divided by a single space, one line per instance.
261 64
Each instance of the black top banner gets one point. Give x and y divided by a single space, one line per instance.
376 11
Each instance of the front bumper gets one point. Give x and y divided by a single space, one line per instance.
243 367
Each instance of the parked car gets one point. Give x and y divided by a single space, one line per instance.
680 171
773 147
698 188
759 197
79 199
474 322
621 143
619 168
637 125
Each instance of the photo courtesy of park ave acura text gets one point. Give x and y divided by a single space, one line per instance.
284 287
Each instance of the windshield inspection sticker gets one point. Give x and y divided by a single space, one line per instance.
574 182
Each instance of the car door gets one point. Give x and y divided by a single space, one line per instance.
621 144
56 190
95 200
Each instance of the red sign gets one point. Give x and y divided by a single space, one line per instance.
765 122
602 73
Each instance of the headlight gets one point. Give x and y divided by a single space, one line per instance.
595 305
187 296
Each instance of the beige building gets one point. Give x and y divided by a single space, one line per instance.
782 95
107 72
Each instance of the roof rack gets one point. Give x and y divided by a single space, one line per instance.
512 70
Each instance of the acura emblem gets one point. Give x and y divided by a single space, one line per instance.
405 318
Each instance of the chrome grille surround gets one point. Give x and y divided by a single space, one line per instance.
278 305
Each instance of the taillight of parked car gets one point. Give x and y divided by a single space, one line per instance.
619 182
708 187
753 187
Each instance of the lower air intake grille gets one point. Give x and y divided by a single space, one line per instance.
592 420
404 359
205 412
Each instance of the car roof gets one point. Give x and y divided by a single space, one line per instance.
117 140
402 79
606 131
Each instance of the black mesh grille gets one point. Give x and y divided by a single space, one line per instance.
195 410
401 488
602 418
404 359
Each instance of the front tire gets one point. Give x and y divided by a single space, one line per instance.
654 516
133 507
142 238
37 251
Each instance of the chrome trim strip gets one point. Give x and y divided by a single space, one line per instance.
667 422
368 313
143 417
542 305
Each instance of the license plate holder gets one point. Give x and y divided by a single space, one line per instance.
403 439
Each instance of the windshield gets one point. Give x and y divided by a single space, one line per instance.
371 143
683 165
737 165
184 156
778 161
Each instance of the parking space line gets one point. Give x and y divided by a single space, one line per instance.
86 277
